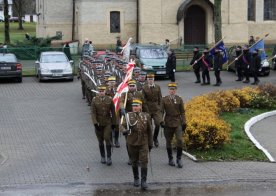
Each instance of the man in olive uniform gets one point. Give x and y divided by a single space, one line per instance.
111 91
196 63
126 102
174 124
138 129
104 119
141 81
136 73
152 94
82 76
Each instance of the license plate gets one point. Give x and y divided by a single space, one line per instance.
56 75
5 68
161 72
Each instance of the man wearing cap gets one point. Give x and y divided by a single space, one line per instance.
86 48
107 74
111 91
141 81
152 94
218 58
99 74
246 58
255 66
129 97
136 73
174 123
138 129
239 63
104 119
196 63
206 66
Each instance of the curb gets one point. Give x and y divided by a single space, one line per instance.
253 121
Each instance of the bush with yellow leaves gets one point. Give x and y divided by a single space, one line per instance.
245 95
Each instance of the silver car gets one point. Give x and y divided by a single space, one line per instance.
54 65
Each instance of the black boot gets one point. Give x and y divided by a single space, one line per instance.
155 136
178 157
171 162
144 172
116 137
108 150
102 151
136 176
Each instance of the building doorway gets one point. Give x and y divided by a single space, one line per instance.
195 25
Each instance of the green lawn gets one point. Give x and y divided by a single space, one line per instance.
240 147
15 34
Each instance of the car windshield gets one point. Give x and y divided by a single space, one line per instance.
7 58
153 53
53 58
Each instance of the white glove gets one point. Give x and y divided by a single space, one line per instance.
248 66
236 59
173 70
260 69
195 62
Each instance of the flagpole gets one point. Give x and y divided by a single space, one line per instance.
248 49
209 50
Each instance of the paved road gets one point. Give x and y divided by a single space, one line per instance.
47 140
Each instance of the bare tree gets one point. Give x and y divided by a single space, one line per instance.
7 24
217 20
18 6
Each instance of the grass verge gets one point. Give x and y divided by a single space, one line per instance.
240 148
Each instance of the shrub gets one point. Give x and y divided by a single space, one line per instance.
245 95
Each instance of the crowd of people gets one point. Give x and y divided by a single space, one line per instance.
140 115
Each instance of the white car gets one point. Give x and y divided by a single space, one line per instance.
54 65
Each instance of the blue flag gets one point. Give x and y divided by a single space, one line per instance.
221 47
260 46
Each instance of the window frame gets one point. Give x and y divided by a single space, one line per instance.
113 29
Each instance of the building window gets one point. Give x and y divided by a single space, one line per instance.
269 10
251 10
115 22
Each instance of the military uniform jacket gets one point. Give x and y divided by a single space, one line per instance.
141 129
111 92
103 111
218 61
195 58
206 62
130 97
256 63
153 97
174 111
140 85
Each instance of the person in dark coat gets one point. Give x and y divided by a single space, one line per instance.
239 63
66 50
171 65
196 63
218 66
255 66
206 66
246 58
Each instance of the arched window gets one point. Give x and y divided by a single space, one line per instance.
115 25
251 12
269 10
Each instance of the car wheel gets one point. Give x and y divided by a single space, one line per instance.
71 80
19 80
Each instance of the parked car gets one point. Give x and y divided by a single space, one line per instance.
10 67
1 19
101 55
15 19
53 65
152 58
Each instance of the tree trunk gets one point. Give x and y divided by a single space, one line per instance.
18 5
217 20
7 24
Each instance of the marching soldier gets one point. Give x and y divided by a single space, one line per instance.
152 94
82 76
196 64
104 119
111 91
136 73
141 81
138 129
218 66
174 122
239 63
206 66
130 96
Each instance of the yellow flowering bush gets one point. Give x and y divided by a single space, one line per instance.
244 95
